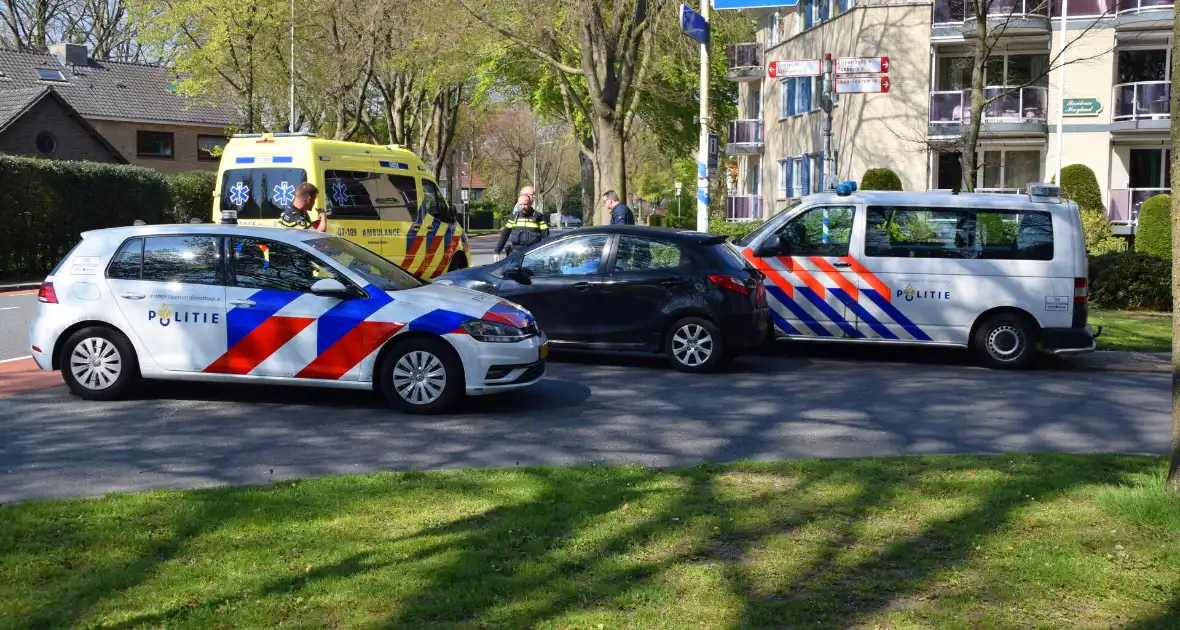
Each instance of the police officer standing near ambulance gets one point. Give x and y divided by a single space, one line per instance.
523 230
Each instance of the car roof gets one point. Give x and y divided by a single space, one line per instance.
939 198
278 233
673 234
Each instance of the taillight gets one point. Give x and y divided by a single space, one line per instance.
47 294
729 282
1081 291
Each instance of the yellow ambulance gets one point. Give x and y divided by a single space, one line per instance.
380 197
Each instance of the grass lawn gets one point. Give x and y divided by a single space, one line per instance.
1133 330
934 542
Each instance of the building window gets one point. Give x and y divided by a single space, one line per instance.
1007 171
784 95
51 74
210 147
154 143
46 144
797 177
783 178
1151 168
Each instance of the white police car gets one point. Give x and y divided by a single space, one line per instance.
228 303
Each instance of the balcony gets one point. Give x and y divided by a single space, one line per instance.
1145 14
745 137
743 208
1146 105
744 62
1125 204
1013 17
1013 111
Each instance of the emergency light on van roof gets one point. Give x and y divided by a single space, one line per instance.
1045 193
265 159
846 188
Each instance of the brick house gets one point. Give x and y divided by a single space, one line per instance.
65 105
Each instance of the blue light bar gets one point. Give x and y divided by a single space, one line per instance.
388 164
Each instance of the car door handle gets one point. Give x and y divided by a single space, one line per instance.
841 263
582 286
671 282
133 296
242 302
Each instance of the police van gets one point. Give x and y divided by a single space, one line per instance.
380 197
1000 274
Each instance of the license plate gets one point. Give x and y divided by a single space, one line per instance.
545 350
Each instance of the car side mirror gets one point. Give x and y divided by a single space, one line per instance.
331 287
516 271
773 245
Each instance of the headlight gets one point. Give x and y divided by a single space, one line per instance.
444 281
493 332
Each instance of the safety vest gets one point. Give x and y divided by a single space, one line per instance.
526 230
293 218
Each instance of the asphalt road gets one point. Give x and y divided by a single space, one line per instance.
587 410
16 311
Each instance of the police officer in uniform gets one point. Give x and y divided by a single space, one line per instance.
523 230
297 216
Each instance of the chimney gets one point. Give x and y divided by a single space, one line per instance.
71 54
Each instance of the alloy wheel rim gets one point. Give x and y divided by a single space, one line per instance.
1005 342
96 363
419 377
692 345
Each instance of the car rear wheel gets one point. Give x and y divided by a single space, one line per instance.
422 375
1005 342
98 364
694 344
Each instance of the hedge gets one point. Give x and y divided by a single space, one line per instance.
880 179
1154 234
1079 183
734 229
52 202
1131 281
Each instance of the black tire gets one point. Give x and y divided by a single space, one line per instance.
99 363
458 261
421 355
1005 341
690 338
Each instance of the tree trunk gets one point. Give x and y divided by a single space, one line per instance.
588 199
970 157
1174 467
610 165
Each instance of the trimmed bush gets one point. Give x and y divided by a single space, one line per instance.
1154 234
51 202
880 179
735 230
1099 232
1079 183
192 196
1131 281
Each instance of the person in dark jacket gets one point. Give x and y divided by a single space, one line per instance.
298 215
523 230
620 214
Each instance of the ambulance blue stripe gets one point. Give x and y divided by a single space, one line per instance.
830 312
388 164
799 312
896 315
783 324
432 234
342 318
241 321
439 321
282 159
244 160
862 314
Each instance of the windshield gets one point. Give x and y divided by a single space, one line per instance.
752 236
376 270
260 193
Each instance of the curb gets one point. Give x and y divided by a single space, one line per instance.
1117 361
24 286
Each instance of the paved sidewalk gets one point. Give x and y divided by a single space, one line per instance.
1114 361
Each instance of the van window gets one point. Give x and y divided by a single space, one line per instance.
260 193
351 194
985 233
820 231
434 202
399 198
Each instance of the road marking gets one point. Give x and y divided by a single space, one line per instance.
8 308
16 359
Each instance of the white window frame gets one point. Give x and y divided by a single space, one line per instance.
1004 151
782 178
797 177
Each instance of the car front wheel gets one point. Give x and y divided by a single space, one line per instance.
98 363
422 376
1005 342
695 345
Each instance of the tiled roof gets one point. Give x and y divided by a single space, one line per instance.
13 103
111 89
464 176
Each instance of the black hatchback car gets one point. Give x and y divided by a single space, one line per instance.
688 295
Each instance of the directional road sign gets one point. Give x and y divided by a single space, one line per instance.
794 68
862 85
693 24
714 150
862 65
753 4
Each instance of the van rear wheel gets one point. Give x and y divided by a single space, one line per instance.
1005 342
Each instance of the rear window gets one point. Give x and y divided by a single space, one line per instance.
971 233
727 255
64 259
260 193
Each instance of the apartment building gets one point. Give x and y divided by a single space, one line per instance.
1116 76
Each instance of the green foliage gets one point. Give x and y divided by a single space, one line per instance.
192 196
1079 183
994 230
52 202
880 179
1131 281
1154 234
1099 233
734 229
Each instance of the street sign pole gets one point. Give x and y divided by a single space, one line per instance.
703 152
829 182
